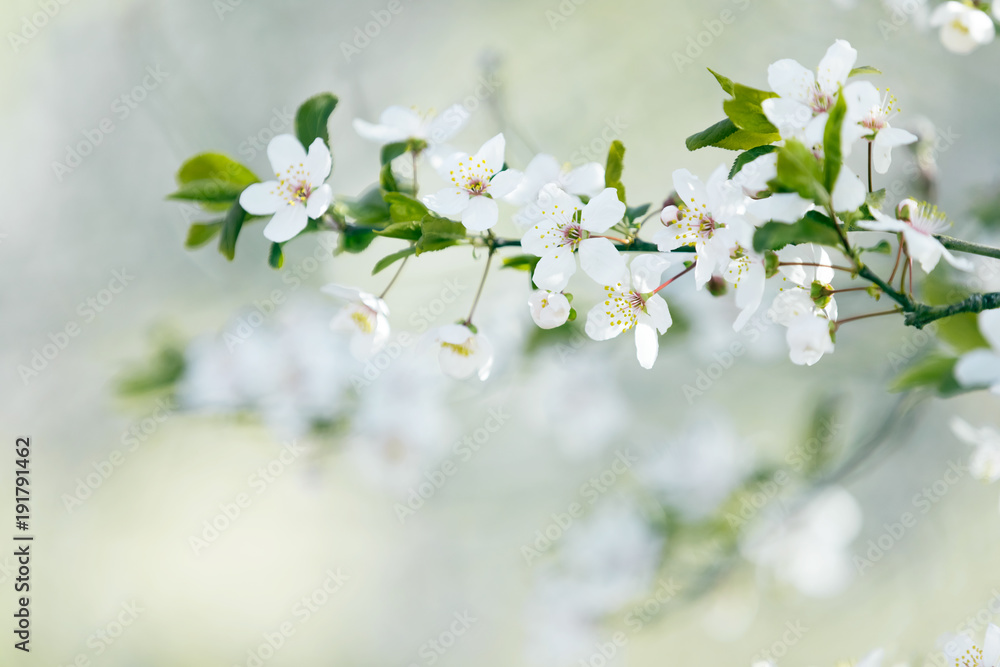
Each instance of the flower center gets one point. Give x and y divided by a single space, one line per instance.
363 320
820 102
878 116
476 186
461 349
572 234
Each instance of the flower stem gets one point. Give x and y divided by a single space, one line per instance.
482 282
870 189
413 154
862 317
830 266
849 289
616 239
899 253
670 280
393 281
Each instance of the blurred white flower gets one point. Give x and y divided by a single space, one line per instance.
711 218
365 317
808 335
300 193
872 113
809 550
918 224
397 124
963 27
568 226
630 303
808 339
586 180
476 183
548 309
961 651
981 368
985 461
746 273
697 471
461 352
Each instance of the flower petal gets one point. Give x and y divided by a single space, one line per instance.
505 182
480 214
285 154
989 326
659 313
600 260
647 343
785 207
835 66
647 270
447 124
548 309
602 212
978 368
287 222
689 188
991 646
791 80
788 115
600 325
261 198
378 133
318 163
554 271
319 200
849 193
448 201
885 141
587 179
491 155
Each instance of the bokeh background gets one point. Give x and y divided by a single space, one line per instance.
560 78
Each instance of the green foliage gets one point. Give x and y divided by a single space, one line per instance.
726 83
409 231
771 263
935 371
439 233
201 233
160 374
864 69
746 157
404 208
745 110
276 257
215 167
833 155
521 262
813 228
960 332
799 171
231 226
632 213
615 167
391 259
312 118
208 191
368 209
726 134
355 240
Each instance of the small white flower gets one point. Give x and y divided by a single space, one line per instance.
985 462
711 218
747 275
808 334
586 180
872 113
569 226
300 193
398 124
961 651
981 368
548 309
963 28
365 316
808 338
629 304
462 352
476 182
919 224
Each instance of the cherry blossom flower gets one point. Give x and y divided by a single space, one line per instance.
587 180
919 223
398 124
872 113
963 27
631 303
463 352
985 461
981 368
567 226
476 182
961 651
299 194
548 309
808 335
365 317
711 218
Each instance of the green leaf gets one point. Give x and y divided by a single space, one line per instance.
771 263
521 262
875 200
208 190
162 372
439 233
746 157
389 260
410 231
726 83
276 257
231 226
392 151
746 112
882 247
312 117
725 134
355 240
833 151
615 167
935 371
864 69
387 179
201 233
404 208
368 209
634 212
799 171
215 167
813 228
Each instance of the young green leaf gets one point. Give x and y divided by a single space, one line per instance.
276 257
231 226
389 260
746 112
404 208
215 167
410 230
799 171
615 167
864 69
725 134
521 262
813 228
312 117
726 83
208 190
935 371
355 240
833 150
746 157
201 233
368 209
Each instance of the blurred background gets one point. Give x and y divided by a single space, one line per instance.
594 513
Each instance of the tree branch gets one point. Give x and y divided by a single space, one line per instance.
921 315
952 243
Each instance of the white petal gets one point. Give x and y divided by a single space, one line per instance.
991 646
286 223
808 339
446 124
958 262
849 193
835 66
659 313
548 309
480 214
553 271
602 212
491 155
600 260
540 239
261 198
924 248
754 175
791 80
689 188
342 291
600 326
978 368
319 200
782 207
505 182
788 115
285 152
377 133
448 201
647 271
647 343
405 121
456 334
885 141
989 326
587 180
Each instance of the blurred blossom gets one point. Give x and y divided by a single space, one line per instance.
985 461
695 472
961 651
809 550
290 370
603 562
